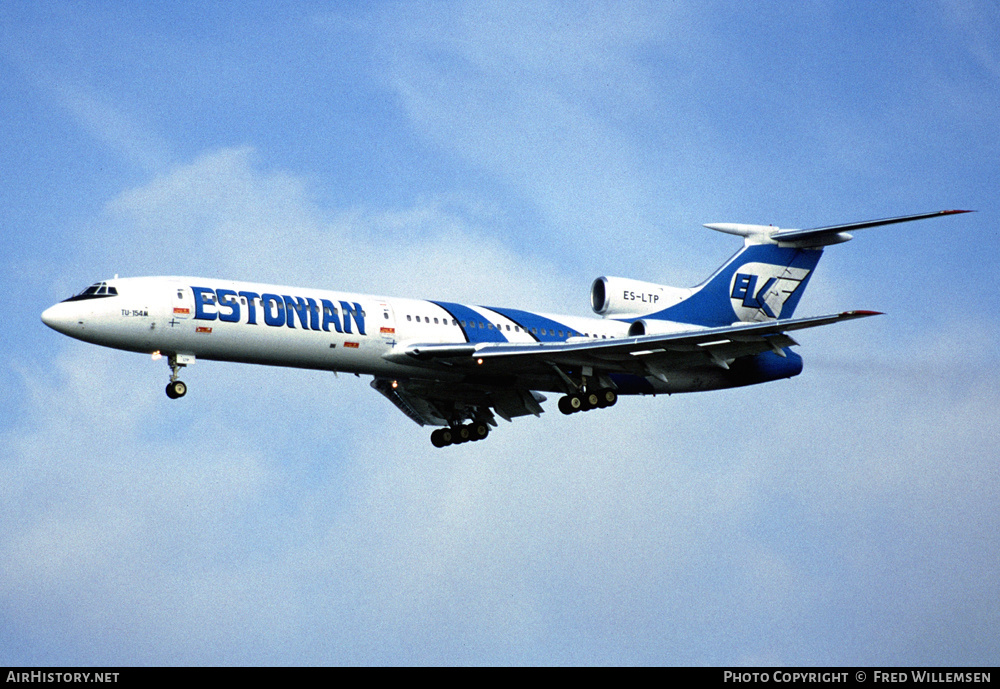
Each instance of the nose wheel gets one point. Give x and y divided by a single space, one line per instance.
175 388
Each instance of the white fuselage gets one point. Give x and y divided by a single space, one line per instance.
225 320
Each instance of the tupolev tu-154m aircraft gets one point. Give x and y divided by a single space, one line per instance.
457 366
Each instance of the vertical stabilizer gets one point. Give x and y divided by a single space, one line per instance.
761 282
766 278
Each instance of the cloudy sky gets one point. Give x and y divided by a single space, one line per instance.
508 154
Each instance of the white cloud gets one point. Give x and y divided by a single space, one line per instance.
539 98
219 216
289 516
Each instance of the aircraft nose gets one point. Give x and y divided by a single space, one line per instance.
59 317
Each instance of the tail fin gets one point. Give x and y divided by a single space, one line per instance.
765 279
761 282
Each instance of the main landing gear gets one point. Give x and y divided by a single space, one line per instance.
462 433
175 388
585 401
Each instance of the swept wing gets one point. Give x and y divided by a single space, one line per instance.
492 370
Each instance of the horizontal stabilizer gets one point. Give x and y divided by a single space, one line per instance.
817 236
822 235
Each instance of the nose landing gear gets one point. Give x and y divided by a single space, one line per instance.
175 388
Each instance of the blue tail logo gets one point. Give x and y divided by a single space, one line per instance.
759 291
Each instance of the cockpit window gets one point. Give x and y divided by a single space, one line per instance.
96 291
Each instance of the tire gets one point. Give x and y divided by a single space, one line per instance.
176 389
438 439
480 431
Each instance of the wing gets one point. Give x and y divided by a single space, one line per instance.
672 350
467 381
621 355
472 380
503 375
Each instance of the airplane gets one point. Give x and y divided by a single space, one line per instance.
457 366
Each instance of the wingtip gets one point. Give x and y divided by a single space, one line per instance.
861 313
955 212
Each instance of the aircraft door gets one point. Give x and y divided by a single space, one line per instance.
182 302
386 323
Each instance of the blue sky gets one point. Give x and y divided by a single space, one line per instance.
506 154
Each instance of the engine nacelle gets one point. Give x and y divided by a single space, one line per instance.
610 296
654 326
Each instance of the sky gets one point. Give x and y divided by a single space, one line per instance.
501 153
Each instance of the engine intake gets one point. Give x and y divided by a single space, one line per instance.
653 326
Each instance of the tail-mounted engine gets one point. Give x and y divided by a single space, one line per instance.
617 297
654 326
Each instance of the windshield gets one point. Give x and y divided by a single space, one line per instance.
96 291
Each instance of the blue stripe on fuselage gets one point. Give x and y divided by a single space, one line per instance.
541 328
475 326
